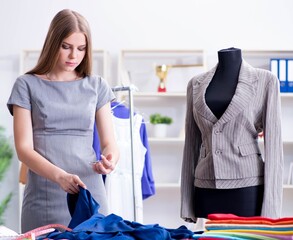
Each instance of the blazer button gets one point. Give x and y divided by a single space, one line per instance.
218 152
217 131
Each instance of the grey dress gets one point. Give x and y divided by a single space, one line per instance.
63 116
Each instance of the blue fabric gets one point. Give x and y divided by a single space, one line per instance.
89 224
96 143
147 180
82 206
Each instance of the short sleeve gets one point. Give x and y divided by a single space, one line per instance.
19 96
105 93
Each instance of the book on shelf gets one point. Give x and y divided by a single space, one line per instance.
290 75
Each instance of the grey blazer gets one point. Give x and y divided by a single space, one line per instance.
224 153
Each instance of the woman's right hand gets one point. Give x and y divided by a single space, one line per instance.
70 183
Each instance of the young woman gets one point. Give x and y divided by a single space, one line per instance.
54 107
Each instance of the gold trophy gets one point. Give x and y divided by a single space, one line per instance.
162 72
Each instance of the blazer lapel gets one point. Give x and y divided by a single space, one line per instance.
199 89
245 91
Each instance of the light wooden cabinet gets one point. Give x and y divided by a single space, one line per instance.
138 67
261 59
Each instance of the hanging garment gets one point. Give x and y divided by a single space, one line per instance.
88 224
147 179
119 183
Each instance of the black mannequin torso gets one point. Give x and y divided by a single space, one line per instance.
224 82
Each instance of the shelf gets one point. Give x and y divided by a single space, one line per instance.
101 59
261 58
166 140
161 95
177 185
288 187
285 142
286 95
140 68
168 185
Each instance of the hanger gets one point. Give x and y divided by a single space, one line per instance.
118 104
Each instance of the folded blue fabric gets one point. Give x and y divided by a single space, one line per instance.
88 224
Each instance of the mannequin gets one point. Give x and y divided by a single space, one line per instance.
223 169
222 87
246 201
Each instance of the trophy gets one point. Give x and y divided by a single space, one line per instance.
162 72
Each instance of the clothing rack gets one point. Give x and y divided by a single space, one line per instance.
130 90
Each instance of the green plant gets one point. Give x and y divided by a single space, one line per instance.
6 154
3 206
157 118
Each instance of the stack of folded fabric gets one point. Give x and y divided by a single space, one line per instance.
230 226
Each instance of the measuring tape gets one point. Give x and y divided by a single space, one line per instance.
31 235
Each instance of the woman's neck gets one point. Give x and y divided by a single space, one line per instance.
62 77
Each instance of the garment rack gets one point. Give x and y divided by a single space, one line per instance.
130 90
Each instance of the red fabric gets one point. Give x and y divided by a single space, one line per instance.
221 217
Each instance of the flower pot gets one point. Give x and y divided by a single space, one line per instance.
160 130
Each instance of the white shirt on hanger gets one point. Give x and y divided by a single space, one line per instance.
119 184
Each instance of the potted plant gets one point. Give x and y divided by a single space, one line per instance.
160 123
6 154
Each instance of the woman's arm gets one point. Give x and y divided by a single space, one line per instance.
110 151
23 137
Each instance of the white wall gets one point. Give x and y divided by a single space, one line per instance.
152 24
149 24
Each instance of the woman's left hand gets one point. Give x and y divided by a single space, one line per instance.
105 165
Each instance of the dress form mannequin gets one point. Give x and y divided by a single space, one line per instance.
222 87
224 169
245 201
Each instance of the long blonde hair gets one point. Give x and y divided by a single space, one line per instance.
62 26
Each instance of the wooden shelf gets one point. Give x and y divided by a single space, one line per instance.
166 140
288 187
168 185
160 95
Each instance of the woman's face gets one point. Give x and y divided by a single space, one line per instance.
72 52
